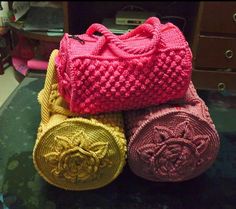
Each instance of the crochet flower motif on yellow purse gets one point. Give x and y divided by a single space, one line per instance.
72 152
75 159
169 151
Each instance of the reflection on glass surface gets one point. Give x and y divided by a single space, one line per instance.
21 187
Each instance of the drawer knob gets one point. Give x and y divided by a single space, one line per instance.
234 17
229 54
221 86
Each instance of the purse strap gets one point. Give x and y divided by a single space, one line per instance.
44 94
151 27
51 83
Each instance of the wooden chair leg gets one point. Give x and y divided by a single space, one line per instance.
1 66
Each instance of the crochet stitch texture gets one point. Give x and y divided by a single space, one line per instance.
172 142
72 152
148 66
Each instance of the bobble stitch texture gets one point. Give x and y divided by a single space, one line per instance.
124 69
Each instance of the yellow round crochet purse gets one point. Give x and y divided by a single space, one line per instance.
76 153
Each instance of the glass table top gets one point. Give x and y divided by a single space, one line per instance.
21 187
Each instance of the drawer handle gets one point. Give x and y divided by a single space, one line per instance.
234 17
221 86
229 54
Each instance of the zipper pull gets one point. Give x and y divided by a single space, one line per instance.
77 38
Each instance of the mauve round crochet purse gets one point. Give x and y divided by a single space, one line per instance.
76 153
149 65
172 142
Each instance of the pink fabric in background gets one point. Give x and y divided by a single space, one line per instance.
37 64
172 142
20 65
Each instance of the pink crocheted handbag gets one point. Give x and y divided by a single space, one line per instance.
149 65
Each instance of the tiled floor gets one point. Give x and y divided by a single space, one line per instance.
7 84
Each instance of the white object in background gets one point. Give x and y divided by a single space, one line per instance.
4 13
20 8
56 4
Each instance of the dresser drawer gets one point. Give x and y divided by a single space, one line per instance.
219 17
216 52
222 81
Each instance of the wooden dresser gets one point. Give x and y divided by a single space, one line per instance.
210 30
214 46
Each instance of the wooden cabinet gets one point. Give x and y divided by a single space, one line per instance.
214 46
40 43
210 31
17 27
218 17
216 52
83 13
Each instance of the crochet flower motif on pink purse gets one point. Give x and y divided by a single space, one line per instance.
176 141
149 65
173 153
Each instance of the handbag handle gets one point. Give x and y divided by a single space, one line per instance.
44 95
151 26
